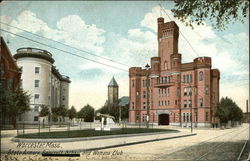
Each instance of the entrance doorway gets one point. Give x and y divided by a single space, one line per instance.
163 119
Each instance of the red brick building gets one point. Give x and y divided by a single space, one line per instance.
9 72
9 76
174 87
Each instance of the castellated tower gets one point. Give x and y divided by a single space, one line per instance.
113 92
180 94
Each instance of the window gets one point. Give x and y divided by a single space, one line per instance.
63 98
178 78
37 70
133 105
10 83
168 102
143 83
190 103
36 108
207 116
184 79
187 117
185 103
201 76
166 65
184 117
175 102
137 117
165 103
187 78
36 118
159 103
144 105
133 83
190 78
201 101
185 91
36 96
190 91
37 83
196 117
206 90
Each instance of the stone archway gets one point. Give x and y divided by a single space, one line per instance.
163 117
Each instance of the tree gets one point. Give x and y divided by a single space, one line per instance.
227 110
44 111
14 103
72 112
219 12
87 112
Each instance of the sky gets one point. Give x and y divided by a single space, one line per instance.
121 34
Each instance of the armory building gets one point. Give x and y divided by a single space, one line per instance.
173 91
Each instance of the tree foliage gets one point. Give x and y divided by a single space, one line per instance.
72 113
44 111
58 113
87 112
219 12
14 103
227 110
113 110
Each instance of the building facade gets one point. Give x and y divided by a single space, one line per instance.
10 75
44 83
174 92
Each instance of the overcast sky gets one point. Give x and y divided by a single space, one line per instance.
126 33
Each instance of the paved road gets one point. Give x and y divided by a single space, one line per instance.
208 144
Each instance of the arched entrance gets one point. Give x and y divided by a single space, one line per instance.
163 119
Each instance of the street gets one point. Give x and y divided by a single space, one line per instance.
208 144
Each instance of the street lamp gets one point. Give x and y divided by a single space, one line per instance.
147 85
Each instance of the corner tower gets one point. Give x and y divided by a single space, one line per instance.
168 34
113 92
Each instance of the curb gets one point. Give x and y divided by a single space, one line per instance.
88 138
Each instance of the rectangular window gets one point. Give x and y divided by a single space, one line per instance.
36 118
206 90
175 102
185 91
187 117
185 103
133 105
190 103
37 83
63 98
178 91
207 116
36 108
133 83
36 96
190 91
201 102
144 94
184 117
37 70
191 79
144 105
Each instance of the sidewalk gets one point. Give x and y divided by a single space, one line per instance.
85 144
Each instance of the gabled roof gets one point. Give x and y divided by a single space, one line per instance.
123 101
113 83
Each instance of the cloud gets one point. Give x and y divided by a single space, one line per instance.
71 30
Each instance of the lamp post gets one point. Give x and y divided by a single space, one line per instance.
147 85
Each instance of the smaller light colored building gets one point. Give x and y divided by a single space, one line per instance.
43 82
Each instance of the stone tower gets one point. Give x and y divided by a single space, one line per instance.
113 92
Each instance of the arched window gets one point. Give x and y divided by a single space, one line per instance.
201 76
166 65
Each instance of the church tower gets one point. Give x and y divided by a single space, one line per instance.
113 92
